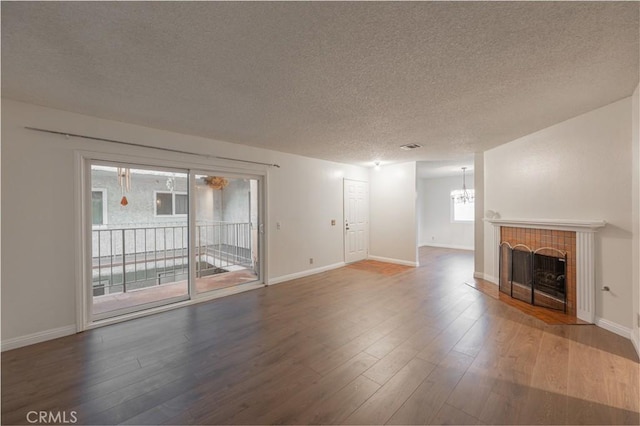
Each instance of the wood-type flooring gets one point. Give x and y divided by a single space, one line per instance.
348 346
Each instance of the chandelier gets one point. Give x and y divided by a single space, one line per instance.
463 196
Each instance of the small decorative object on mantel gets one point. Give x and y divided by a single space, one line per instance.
216 182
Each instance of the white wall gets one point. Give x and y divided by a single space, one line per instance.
434 204
393 221
305 195
39 217
577 169
635 119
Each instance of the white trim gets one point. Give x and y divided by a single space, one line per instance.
191 237
613 327
585 277
449 246
41 336
493 280
302 274
83 241
391 260
554 224
151 161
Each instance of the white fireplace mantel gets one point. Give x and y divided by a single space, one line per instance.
559 224
585 255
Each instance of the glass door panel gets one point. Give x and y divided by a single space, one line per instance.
139 238
226 234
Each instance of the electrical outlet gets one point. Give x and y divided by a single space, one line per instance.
311 261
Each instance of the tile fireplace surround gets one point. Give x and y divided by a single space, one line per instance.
526 231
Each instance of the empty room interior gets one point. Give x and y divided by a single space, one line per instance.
320 213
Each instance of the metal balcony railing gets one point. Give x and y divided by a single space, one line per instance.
135 257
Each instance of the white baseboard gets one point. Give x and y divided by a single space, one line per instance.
611 326
41 336
396 261
449 246
486 277
302 274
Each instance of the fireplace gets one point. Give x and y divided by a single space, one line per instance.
549 239
534 277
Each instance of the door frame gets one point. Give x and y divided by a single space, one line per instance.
344 216
137 308
192 223
82 190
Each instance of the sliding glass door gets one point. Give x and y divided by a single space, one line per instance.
226 231
139 238
162 235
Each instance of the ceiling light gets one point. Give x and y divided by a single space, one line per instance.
410 146
463 196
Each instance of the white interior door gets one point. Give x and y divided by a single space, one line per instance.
356 220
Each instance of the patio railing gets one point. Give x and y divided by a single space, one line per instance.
130 258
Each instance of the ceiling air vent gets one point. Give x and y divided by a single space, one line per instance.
410 146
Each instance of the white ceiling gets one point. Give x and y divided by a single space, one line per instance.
439 169
347 82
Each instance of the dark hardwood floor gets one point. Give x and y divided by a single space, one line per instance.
349 346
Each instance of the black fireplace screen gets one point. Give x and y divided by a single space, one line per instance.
535 278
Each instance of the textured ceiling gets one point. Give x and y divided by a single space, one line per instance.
439 169
348 82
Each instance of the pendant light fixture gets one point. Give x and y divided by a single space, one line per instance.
463 196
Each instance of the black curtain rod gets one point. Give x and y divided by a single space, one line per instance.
151 147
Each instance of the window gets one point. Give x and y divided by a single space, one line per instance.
181 203
171 203
462 211
98 207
